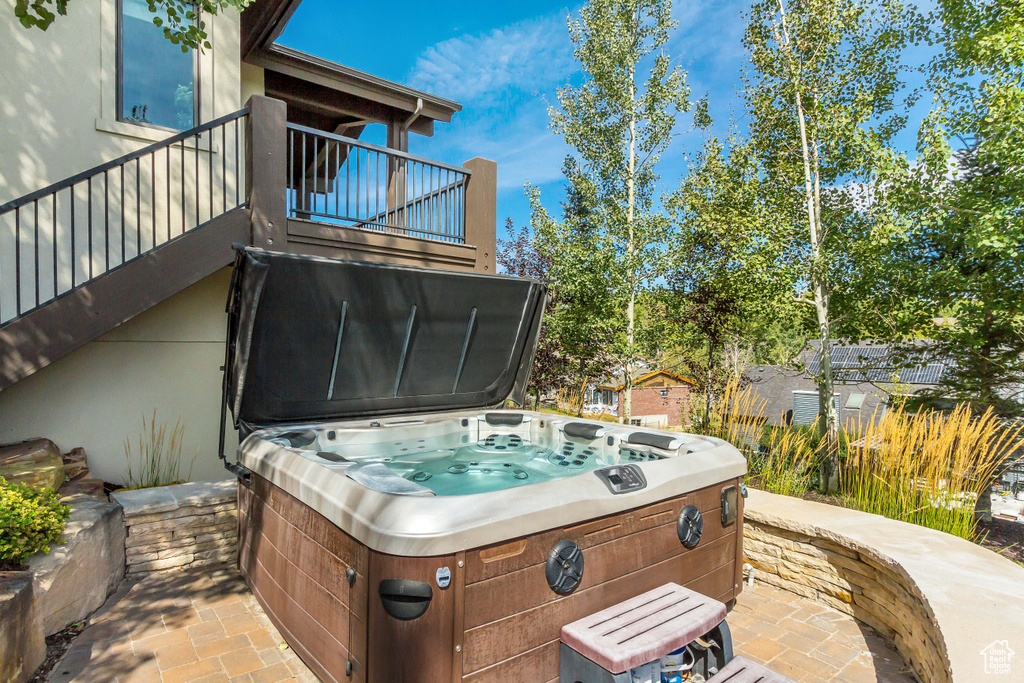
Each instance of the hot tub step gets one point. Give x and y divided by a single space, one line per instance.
741 670
640 630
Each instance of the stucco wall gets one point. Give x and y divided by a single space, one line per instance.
167 358
58 117
58 114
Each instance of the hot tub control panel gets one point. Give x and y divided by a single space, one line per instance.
622 478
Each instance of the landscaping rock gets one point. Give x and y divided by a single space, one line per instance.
74 579
22 647
36 463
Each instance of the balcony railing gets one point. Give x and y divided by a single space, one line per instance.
342 181
61 237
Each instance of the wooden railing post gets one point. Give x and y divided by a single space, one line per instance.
266 171
482 211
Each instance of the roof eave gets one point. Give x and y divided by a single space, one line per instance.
352 81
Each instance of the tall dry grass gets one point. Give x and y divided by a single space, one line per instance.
159 456
927 468
779 461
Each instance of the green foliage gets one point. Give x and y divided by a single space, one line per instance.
159 456
30 520
619 121
184 24
964 198
821 98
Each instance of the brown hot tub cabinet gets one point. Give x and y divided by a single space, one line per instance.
396 525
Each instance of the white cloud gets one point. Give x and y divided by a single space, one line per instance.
526 56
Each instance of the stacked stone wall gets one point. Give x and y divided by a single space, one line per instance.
179 527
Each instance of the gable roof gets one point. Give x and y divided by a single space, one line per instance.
617 383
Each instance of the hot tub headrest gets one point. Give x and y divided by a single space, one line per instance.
663 441
504 419
377 476
582 430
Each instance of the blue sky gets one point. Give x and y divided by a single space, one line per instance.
503 62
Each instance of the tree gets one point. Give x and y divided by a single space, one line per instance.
520 257
821 101
720 276
581 315
619 121
966 199
184 24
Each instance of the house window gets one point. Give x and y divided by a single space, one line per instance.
664 393
855 401
634 421
156 81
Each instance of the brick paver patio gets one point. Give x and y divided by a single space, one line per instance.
807 641
205 626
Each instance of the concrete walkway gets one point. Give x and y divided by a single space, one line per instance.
205 626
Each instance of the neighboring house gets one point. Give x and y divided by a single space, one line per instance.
127 171
659 399
867 380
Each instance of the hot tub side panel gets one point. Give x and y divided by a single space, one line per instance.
512 619
296 562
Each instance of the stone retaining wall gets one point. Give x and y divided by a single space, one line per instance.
182 526
942 600
850 582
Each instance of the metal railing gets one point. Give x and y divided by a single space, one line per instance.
342 181
59 238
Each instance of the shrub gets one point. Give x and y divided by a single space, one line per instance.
30 521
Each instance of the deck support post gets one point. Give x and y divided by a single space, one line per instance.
481 214
266 171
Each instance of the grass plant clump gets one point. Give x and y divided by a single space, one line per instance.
927 468
158 458
778 460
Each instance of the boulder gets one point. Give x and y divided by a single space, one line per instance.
36 462
74 579
76 464
22 648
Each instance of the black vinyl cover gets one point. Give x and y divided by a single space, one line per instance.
312 338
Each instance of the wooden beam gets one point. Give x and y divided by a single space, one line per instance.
330 103
266 170
32 342
482 211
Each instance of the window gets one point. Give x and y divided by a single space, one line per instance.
855 401
664 393
634 421
155 79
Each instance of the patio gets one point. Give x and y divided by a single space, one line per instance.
205 626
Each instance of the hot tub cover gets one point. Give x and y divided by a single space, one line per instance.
312 338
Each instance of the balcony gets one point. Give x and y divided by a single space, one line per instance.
313 191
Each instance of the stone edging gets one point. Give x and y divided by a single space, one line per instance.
943 600
181 526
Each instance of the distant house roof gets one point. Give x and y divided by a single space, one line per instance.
880 363
641 375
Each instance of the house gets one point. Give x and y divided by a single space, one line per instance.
127 171
659 398
868 378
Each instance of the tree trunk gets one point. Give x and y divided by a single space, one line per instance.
627 396
828 421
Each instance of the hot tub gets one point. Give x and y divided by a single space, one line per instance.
397 524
